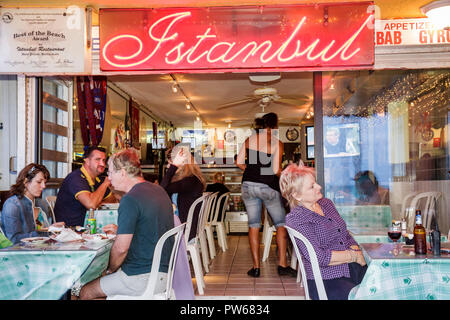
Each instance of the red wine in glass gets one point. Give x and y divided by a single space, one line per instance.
394 235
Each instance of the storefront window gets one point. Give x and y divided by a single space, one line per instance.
54 124
385 135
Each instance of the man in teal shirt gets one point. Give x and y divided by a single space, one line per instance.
145 214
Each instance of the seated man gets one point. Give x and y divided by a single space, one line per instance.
83 189
145 214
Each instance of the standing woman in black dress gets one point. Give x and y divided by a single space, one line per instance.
184 177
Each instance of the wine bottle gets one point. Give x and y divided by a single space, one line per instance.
420 236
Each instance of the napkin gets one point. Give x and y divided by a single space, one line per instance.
55 229
67 235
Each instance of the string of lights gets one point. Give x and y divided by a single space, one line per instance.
189 105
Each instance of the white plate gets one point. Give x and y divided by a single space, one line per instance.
98 237
109 206
35 240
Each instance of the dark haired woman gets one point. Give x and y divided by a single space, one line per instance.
260 158
19 213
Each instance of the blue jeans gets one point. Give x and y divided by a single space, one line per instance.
254 194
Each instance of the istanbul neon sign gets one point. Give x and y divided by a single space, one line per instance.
231 38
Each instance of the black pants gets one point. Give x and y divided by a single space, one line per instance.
339 288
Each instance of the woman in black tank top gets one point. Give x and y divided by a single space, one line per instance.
260 157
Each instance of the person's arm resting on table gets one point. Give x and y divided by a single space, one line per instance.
93 199
110 198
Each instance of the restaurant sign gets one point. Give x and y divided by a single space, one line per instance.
42 40
243 37
401 32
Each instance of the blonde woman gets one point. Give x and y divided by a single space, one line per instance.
184 178
341 261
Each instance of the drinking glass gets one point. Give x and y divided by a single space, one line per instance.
394 233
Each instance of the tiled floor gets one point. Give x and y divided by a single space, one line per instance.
227 277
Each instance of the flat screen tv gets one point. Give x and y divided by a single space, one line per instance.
309 142
161 142
341 140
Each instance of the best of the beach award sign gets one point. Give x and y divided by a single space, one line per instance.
42 40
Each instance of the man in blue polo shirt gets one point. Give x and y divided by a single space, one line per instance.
83 189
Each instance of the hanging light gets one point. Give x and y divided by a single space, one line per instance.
198 118
229 125
332 87
174 88
438 12
188 105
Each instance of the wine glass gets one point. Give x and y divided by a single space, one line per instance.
394 233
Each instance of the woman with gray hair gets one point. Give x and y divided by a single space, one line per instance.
341 261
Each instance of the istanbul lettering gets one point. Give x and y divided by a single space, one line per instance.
166 46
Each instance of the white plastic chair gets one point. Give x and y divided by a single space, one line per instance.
407 210
209 216
219 224
149 293
267 236
51 200
294 234
426 202
193 246
201 231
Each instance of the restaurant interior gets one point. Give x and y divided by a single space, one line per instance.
395 125
393 128
395 122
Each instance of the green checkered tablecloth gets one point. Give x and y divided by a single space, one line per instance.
371 239
46 273
380 238
402 277
371 216
103 217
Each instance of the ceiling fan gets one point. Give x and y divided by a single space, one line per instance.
264 96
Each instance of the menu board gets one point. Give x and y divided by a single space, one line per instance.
402 32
